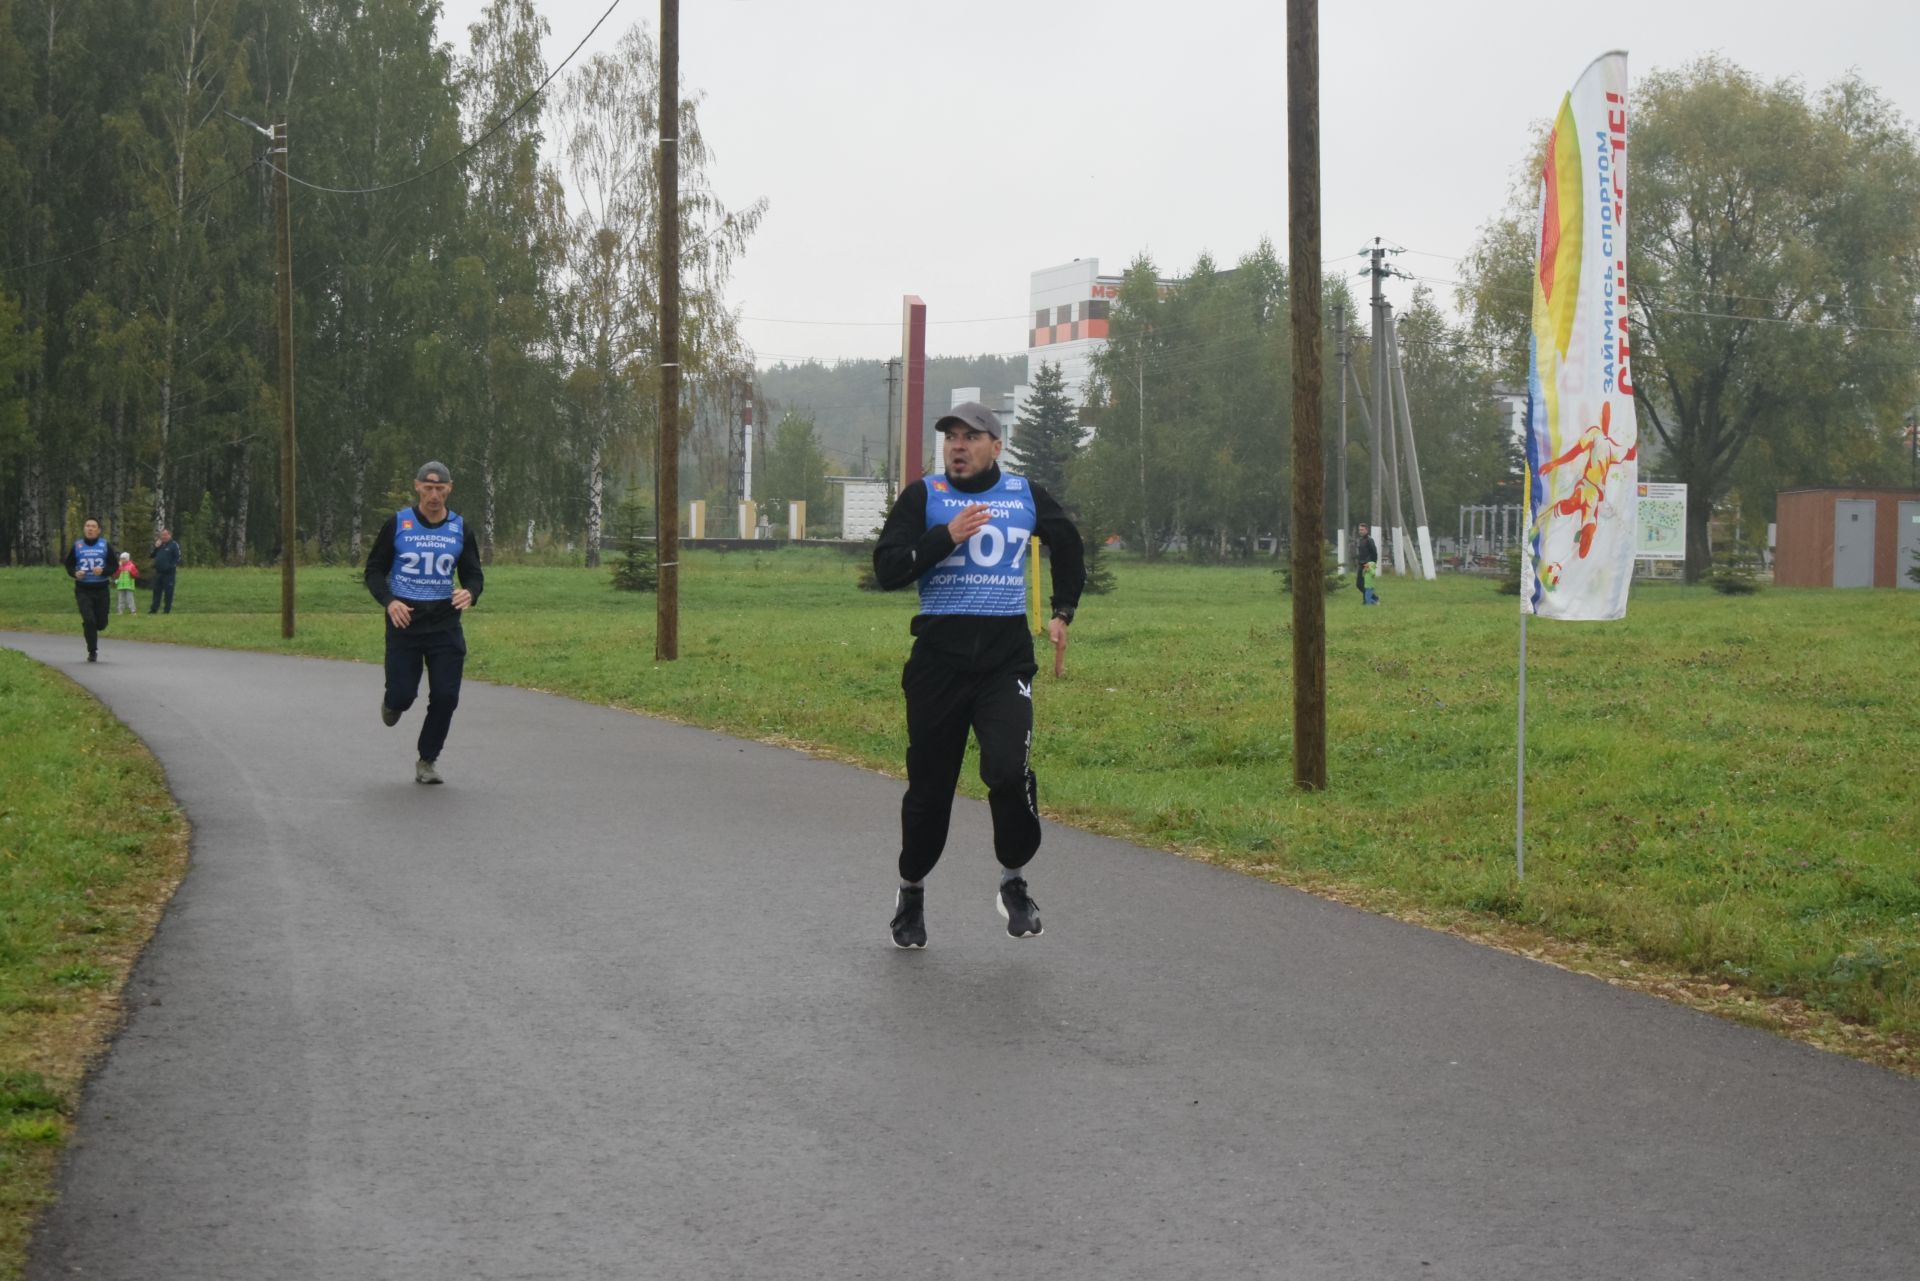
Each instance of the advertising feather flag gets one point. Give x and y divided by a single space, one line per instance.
1582 438
1583 445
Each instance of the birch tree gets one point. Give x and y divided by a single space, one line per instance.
608 242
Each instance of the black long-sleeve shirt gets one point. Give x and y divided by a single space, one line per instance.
111 565
430 615
908 549
1365 551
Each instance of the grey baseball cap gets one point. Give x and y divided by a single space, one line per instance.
971 414
434 471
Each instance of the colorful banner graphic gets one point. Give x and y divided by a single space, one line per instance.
1582 438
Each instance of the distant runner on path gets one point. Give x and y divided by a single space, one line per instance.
91 563
964 536
411 572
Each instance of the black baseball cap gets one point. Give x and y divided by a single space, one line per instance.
436 472
973 415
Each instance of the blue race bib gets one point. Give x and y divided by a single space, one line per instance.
988 573
424 559
92 559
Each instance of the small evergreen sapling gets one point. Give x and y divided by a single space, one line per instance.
635 566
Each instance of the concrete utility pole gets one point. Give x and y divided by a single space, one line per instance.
1309 463
893 379
283 223
1389 418
1340 343
1422 533
1376 270
1385 463
666 634
746 446
1366 422
733 462
1140 399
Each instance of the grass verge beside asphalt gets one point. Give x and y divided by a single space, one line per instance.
91 847
1715 804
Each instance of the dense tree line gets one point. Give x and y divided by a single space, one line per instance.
488 305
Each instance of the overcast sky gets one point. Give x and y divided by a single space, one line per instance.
950 147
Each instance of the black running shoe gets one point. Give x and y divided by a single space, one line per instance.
910 918
388 716
1022 913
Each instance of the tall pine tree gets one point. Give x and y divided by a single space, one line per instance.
1047 438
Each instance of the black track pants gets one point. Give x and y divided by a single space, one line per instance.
96 607
444 655
942 706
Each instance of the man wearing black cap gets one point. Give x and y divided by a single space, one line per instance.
411 571
964 536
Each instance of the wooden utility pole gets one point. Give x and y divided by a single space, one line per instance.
1309 467
283 220
666 636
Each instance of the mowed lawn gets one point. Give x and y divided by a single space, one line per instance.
91 846
1717 786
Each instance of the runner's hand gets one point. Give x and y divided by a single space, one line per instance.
968 523
462 598
400 612
1057 633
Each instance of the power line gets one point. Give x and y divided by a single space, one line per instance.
468 150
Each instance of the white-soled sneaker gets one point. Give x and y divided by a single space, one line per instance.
1017 906
909 918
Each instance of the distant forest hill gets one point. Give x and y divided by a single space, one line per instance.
848 400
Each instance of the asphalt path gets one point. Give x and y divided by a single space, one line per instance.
618 1001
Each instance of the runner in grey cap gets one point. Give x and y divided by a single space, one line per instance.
962 536
411 571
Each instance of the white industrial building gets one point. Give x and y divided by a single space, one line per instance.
1069 304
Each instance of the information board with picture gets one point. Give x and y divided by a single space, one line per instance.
1662 532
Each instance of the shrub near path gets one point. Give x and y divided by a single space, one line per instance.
1715 808
91 846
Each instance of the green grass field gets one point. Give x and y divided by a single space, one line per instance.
1714 785
91 846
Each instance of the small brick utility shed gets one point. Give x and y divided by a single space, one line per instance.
1839 536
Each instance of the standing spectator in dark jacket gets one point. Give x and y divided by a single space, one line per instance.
1369 557
91 563
166 561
